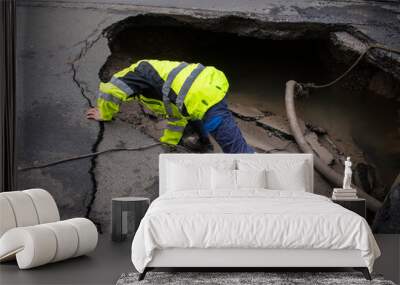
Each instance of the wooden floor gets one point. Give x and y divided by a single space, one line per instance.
103 266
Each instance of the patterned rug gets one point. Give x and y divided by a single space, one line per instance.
244 278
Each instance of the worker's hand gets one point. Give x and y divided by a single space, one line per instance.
93 114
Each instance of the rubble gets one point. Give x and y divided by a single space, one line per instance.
387 219
325 155
258 138
317 129
364 176
396 181
270 134
321 186
347 41
383 84
279 125
246 112
148 124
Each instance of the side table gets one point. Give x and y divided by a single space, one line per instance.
358 205
127 212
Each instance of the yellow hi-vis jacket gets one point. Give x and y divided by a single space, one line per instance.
174 90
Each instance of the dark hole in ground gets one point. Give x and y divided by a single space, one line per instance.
363 124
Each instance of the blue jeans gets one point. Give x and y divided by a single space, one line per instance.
219 122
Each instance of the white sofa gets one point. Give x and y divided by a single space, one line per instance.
31 231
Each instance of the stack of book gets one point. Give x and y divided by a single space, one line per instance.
344 194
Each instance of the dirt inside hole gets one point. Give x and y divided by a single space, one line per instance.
350 119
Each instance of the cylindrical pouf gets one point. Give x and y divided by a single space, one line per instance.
67 240
41 244
34 246
45 205
7 218
26 208
87 233
23 208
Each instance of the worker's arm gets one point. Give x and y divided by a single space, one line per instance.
175 126
174 131
110 98
111 94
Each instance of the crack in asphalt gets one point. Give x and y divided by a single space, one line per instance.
93 174
79 85
88 43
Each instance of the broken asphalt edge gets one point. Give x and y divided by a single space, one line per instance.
381 59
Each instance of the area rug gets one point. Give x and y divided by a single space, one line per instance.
244 278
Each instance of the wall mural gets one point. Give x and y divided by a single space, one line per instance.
358 117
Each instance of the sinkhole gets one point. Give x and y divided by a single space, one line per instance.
358 117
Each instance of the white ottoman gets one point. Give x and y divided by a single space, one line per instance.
31 232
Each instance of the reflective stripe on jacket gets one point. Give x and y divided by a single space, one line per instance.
175 90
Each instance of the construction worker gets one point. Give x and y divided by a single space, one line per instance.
178 91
